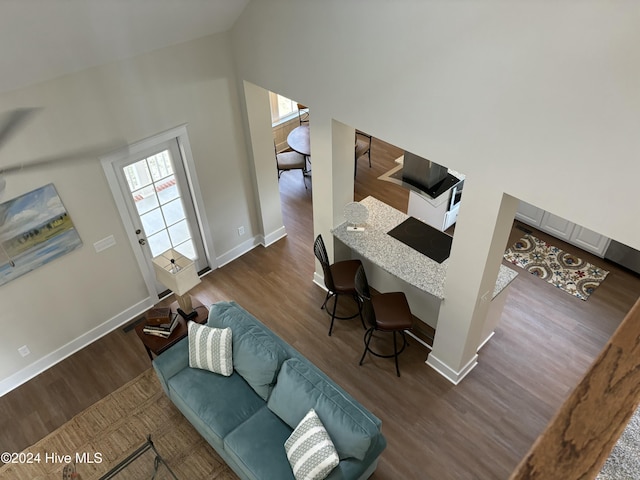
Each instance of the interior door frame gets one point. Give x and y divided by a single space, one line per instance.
109 161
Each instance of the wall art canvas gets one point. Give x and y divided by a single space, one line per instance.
35 229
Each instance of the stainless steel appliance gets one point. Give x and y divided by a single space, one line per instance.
623 255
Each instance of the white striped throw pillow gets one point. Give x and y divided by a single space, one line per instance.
210 349
310 450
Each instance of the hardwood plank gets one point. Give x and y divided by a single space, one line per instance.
479 429
577 441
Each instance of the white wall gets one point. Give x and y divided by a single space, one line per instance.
532 98
61 306
535 99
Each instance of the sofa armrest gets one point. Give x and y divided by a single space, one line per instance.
352 468
172 361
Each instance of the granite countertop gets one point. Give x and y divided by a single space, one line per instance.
397 258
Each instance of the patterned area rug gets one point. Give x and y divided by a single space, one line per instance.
567 272
112 428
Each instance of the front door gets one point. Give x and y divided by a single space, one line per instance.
152 187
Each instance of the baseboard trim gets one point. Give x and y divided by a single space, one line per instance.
449 373
319 280
484 342
238 251
250 244
418 339
274 236
51 359
131 313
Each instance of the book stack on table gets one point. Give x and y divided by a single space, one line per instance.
160 322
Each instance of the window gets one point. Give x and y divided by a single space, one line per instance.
282 108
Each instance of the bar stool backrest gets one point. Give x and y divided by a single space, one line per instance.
320 252
362 287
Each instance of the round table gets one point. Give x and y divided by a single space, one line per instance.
298 140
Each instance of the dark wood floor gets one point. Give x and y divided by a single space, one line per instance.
477 430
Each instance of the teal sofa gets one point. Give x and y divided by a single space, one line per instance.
248 416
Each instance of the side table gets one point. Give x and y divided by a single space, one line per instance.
156 345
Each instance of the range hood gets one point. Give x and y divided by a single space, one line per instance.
423 176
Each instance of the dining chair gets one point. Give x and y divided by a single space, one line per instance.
385 312
286 161
303 114
362 147
339 279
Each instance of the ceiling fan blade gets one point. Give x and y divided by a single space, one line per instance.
13 120
78 155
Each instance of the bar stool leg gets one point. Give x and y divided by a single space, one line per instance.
395 353
367 339
359 303
333 313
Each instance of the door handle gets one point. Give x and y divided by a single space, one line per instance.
142 241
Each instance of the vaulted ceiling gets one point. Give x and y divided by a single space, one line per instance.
44 39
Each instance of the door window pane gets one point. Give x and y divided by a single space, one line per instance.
160 165
152 222
137 175
173 212
159 243
167 189
187 249
179 232
145 199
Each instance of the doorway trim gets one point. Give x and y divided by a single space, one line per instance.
179 134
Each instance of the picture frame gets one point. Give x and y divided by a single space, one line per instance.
35 229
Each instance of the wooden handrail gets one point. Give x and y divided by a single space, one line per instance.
580 437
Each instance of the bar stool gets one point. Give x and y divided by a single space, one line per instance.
385 312
339 279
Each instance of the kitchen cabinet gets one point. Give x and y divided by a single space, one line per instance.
589 240
563 229
441 212
557 226
529 214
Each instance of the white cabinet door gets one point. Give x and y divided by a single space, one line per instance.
564 229
589 240
424 211
556 226
450 217
529 214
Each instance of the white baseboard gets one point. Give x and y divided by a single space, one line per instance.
49 360
447 372
250 244
484 342
238 251
319 280
418 339
274 236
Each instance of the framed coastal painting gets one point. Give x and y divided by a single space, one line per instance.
35 229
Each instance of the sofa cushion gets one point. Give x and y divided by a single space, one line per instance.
257 446
214 404
256 355
210 349
300 388
310 450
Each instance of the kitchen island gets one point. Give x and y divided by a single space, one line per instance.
392 265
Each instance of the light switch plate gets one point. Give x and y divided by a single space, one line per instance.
105 243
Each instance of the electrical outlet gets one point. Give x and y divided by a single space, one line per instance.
24 351
241 230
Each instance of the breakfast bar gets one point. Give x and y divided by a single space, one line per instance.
393 265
